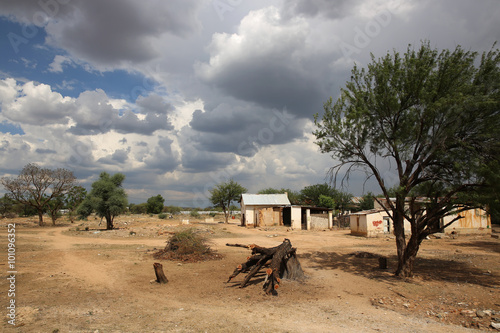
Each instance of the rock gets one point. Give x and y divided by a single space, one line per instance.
468 313
495 325
480 314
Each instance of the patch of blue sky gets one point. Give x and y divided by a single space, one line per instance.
24 56
7 127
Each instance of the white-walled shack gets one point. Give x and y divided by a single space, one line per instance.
375 222
259 210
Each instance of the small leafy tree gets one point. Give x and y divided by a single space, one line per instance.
435 117
367 201
141 208
155 204
310 194
54 209
36 187
107 198
73 199
6 206
224 193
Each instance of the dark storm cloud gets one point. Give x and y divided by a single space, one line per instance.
109 32
333 9
45 151
120 156
162 157
154 103
270 84
242 130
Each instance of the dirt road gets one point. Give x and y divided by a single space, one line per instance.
100 281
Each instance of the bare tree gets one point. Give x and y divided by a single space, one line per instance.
36 186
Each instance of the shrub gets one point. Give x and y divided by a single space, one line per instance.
162 216
212 214
194 213
187 245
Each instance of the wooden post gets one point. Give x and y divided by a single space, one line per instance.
160 275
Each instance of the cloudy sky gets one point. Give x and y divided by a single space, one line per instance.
179 95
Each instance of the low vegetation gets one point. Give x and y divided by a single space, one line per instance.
188 245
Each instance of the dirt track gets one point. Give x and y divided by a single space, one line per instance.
88 281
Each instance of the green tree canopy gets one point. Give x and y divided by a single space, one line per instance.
107 198
224 193
155 204
432 115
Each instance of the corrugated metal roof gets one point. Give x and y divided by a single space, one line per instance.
265 199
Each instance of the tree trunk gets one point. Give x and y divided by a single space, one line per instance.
109 222
160 275
405 264
40 218
283 264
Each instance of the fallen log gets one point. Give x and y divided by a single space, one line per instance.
281 260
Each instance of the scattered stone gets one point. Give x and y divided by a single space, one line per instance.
495 325
468 313
480 314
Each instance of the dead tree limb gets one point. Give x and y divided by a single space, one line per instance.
283 264
160 275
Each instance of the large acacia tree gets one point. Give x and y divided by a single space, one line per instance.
37 187
107 198
431 115
224 193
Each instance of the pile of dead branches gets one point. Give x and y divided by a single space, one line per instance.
187 245
281 262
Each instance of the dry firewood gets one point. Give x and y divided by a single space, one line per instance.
283 264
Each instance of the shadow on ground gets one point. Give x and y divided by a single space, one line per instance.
425 268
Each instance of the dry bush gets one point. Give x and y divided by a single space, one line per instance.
187 245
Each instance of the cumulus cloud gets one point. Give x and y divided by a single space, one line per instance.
57 65
34 104
264 62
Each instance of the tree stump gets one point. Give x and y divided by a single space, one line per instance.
160 275
382 263
281 260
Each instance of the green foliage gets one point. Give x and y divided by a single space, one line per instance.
367 201
325 201
162 216
434 117
7 206
139 208
225 193
194 213
73 199
107 198
310 194
155 204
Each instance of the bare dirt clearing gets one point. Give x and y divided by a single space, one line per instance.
96 280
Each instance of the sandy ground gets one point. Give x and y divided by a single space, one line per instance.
71 280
